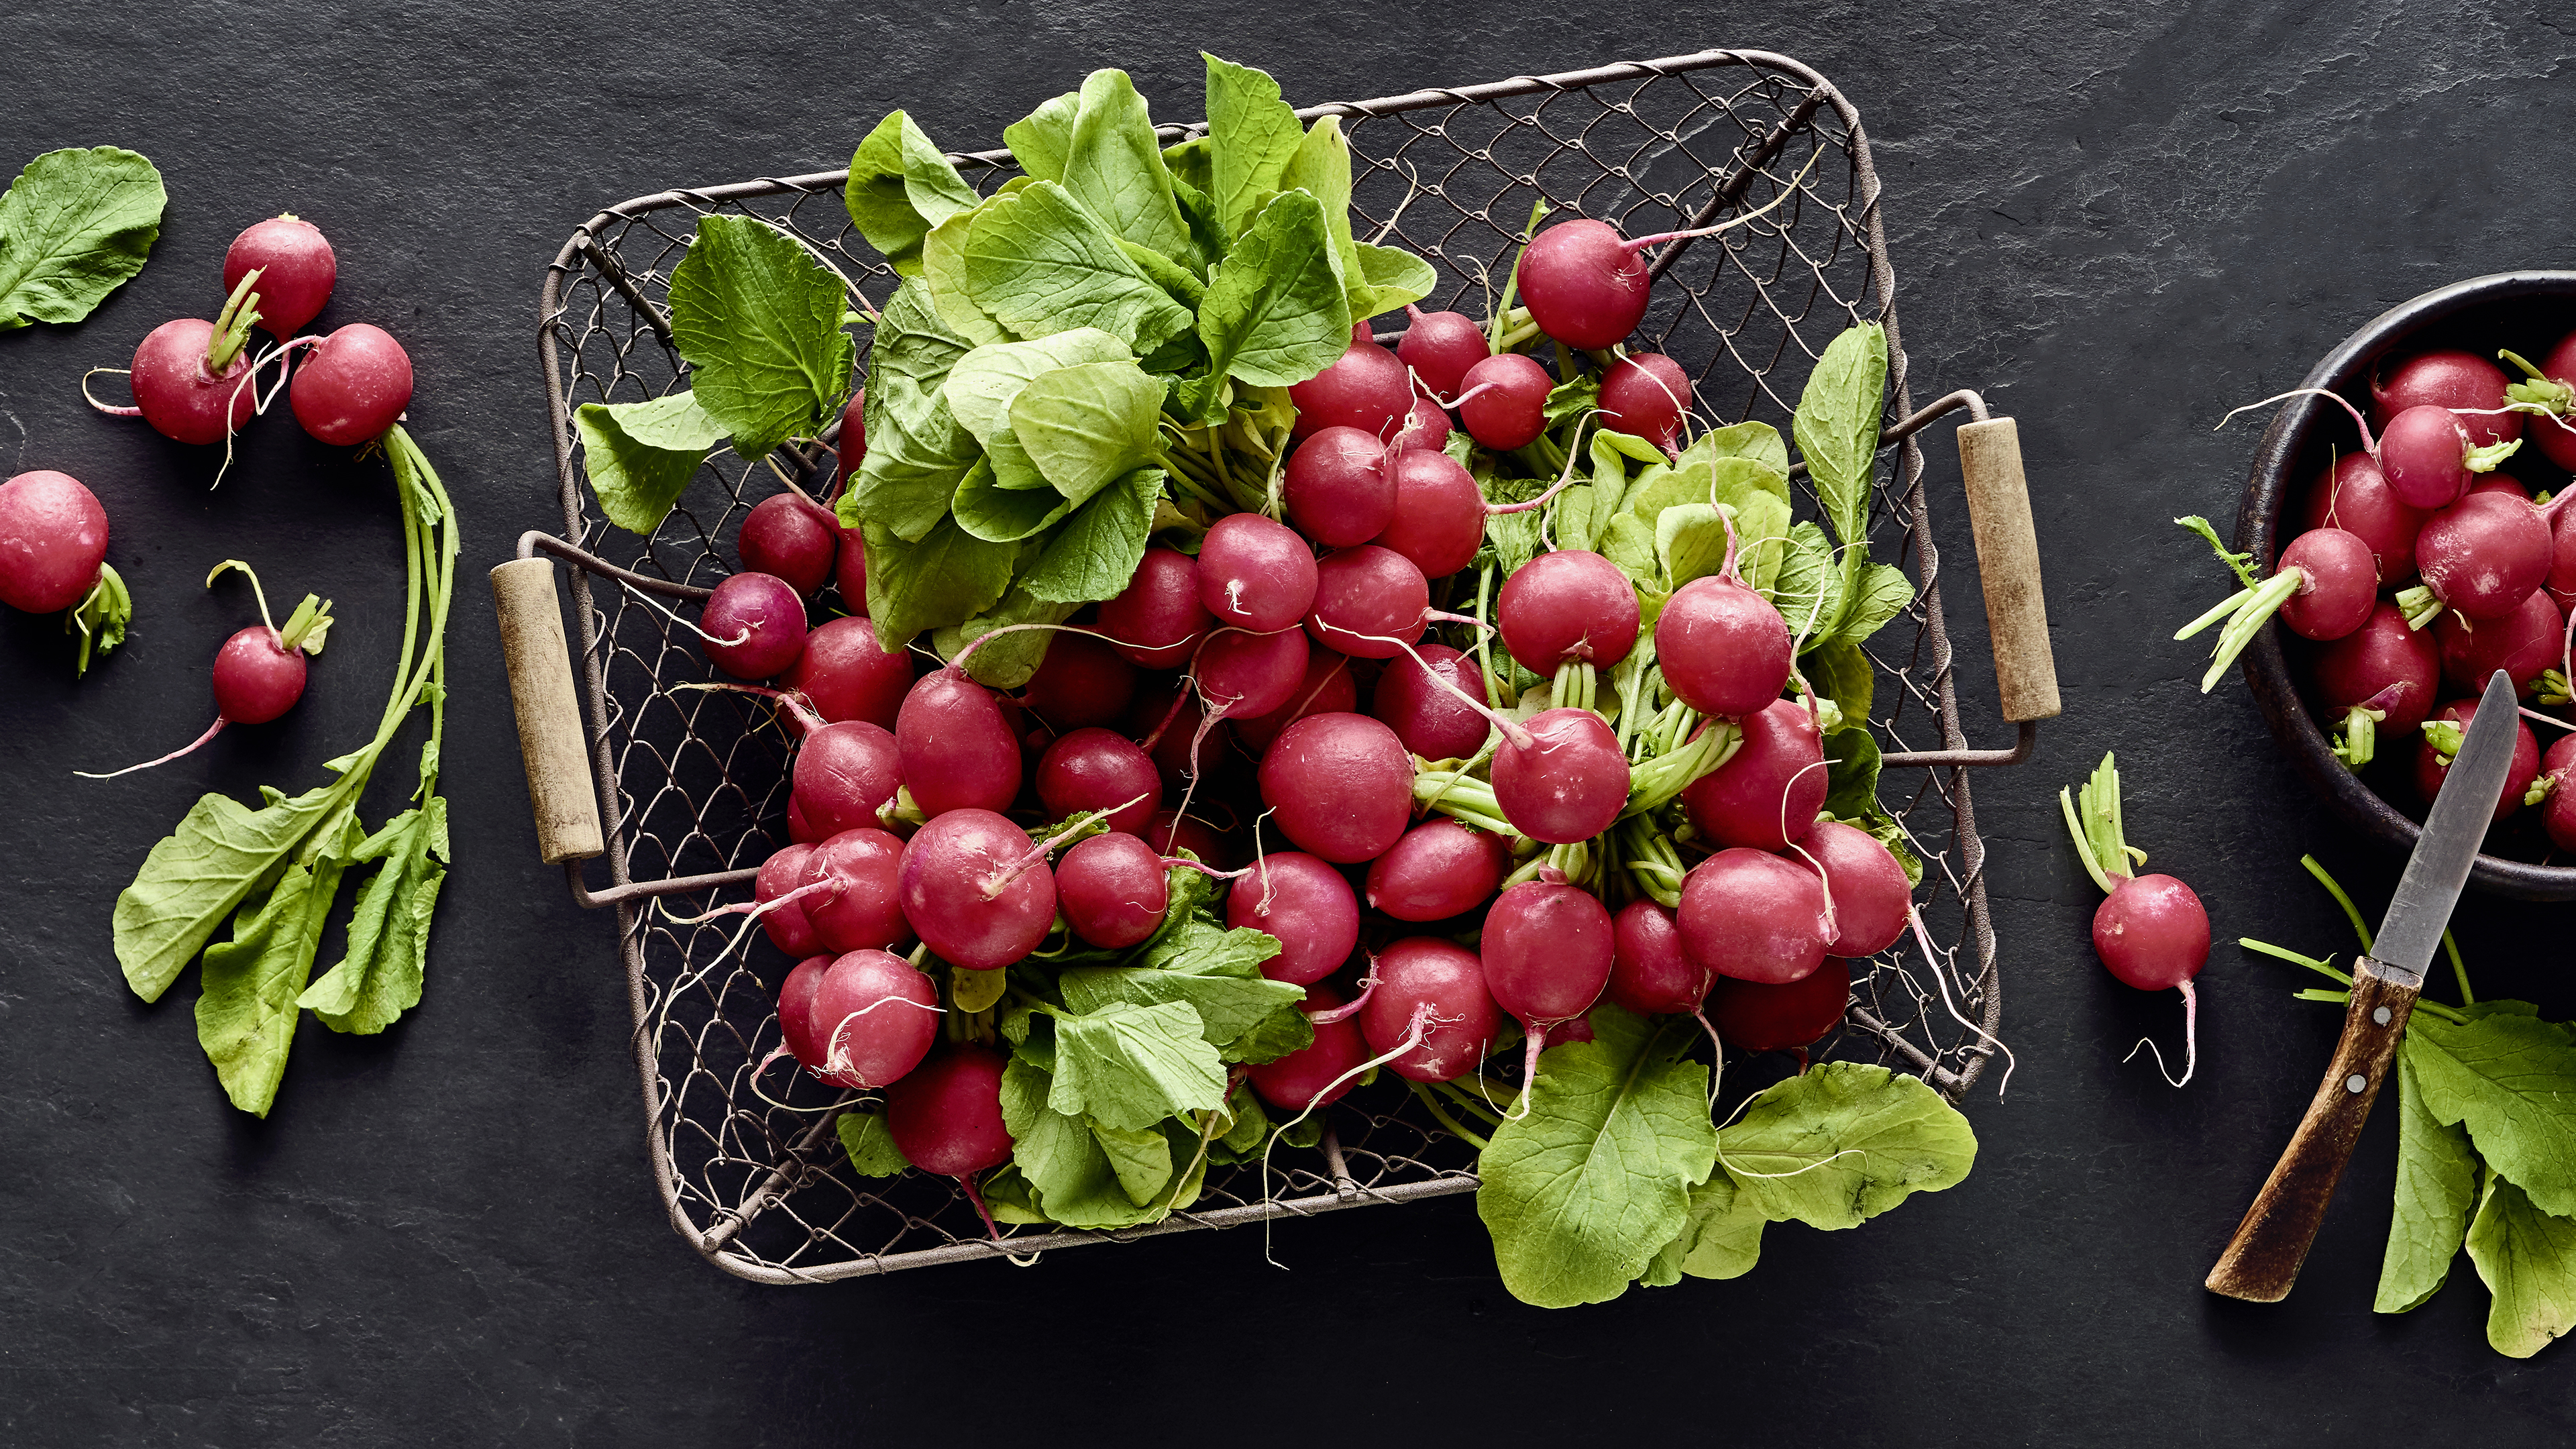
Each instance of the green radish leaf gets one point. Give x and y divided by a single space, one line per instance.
1837 426
981 386
1207 233
943 271
1841 673
1040 264
1690 542
1393 277
1178 282
1042 140
1015 470
380 977
1114 167
1252 137
1087 426
1274 315
1189 162
1069 1175
1573 398
1132 1066
1758 442
1322 168
246 1012
947 577
199 873
73 226
864 1136
1581 1193
1093 555
1883 593
759 321
1807 588
1843 1142
1005 515
1629 542
640 456
1243 1136
99 620
1216 971
1722 1239
1141 1160
2437 1186
918 453
900 187
2527 1258
1851 773
1006 663
2508 1078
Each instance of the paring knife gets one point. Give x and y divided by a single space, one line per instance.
2263 1259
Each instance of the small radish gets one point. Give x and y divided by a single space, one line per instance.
2446 378
753 625
1439 347
796 1008
1723 648
1255 574
1547 951
1751 915
1082 681
1439 518
1307 905
1339 486
351 386
976 889
2354 496
1437 987
2383 673
259 671
1768 792
1872 898
2324 588
192 378
1439 869
296 271
850 445
874 1018
845 774
859 908
956 751
1426 429
1790 1017
1584 284
1173 835
1646 395
1366 388
2442 735
846 674
1568 782
1095 769
2558 811
1157 620
1339 785
1502 401
2523 644
1426 713
2150 930
2547 388
2481 556
2429 458
791 538
1244 676
1330 686
1113 890
787 926
850 569
1318 1074
946 1115
53 541
1567 607
1650 974
1370 602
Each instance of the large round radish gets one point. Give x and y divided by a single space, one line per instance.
2432 763
1113 890
1427 717
1569 783
1650 974
1568 606
1243 676
1366 388
1439 519
1330 686
1502 401
53 537
1318 1074
874 1018
1871 897
1646 395
1339 486
1439 347
1431 993
1082 681
352 386
791 538
976 890
2522 644
1759 1017
1370 602
1754 916
846 675
1157 619
1255 574
796 1010
844 774
1340 786
296 270
754 625
180 394
1584 284
946 1115
2558 811
788 927
956 750
2484 554
2152 932
2354 496
2383 665
1097 769
861 909
1306 905
1439 869
1547 951
1723 648
1769 790
2445 378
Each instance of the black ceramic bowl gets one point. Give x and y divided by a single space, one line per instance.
2525 311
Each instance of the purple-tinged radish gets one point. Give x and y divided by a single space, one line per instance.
787 536
2150 930
1315 1075
1646 395
296 271
1547 950
2462 382
2524 644
1082 681
1096 769
53 540
1439 869
1366 388
1255 574
1437 989
753 625
1758 1017
1439 347
1307 905
1339 785
2354 496
2442 735
1157 620
874 1018
2430 459
351 386
2383 673
1570 606
1768 792
192 378
1339 486
1439 519
976 889
1370 602
1502 401
1113 890
2481 556
1425 712
1753 916
1871 896
1650 973
845 674
859 906
956 750
846 773
788 927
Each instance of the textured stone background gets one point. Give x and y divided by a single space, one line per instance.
2119 221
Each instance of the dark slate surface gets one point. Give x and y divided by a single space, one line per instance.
2117 220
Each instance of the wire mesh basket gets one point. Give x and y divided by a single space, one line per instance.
685 792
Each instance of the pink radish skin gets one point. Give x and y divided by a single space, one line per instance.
2152 933
2556 443
1179 737
1245 676
256 677
1426 429
2445 379
1440 347
1430 720
1255 574
2354 496
2484 554
1340 786
1650 974
1547 953
1871 896
1646 395
2558 811
1439 869
1369 602
2382 661
1769 791
1366 388
2522 644
2341 588
179 397
351 386
946 1116
846 675
1307 905
1753 916
1567 606
844 774
1097 769
976 890
1113 890
874 1018
1568 784
799 829
957 752
1157 620
1329 687
2430 767
2424 453
1439 520
1449 982
1724 649
1584 284
1338 487
2562 562
851 443
1316 1075
53 537
1502 401
1171 836
796 1007
754 623
296 271
786 536
861 911
850 568
788 927
1762 1018
1081 682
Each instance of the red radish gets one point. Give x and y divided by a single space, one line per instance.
1584 284
1439 347
1723 648
1082 681
2442 735
845 674
799 829
1430 720
1872 898
1329 687
1096 769
1439 869
1244 676
1157 620
850 568
1365 388
1307 905
1173 835
1568 606
351 386
1370 602
846 773
851 447
1441 984
2548 388
874 1018
2150 930
956 751
2558 811
976 890
2428 457
1754 916
1568 783
2562 562
2324 588
1113 890
791 538
754 625
53 538
259 672
1318 1074
1340 786
2501 483
192 381
1339 487
1650 974
1764 1018
1426 429
2482 556
2446 378
1255 574
788 927
296 270
796 1007
1646 395
1439 520
1547 951
946 1115
2383 673
2522 644
2354 496
1768 792
1502 401
1180 753
860 908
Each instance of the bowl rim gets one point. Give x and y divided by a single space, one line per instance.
2258 528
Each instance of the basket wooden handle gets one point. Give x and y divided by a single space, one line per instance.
2008 562
560 789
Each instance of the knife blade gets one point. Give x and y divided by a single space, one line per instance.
2263 1259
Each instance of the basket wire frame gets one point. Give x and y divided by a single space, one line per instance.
693 784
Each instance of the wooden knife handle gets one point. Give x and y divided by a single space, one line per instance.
2263 1259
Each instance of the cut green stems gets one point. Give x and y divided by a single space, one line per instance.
1440 1114
2100 841
2320 965
1660 781
2246 612
1512 283
233 323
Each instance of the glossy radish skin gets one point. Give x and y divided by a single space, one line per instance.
1339 487
946 1115
851 443
755 625
1082 681
296 271
1369 602
352 386
2484 554
2342 583
2562 562
796 1010
844 774
1650 974
847 675
1448 980
861 911
850 568
799 829
2555 442
1769 791
2431 767
1871 896
1511 411
786 536
2448 378
1365 389
1330 686
1427 718
1753 916
53 537
1426 429
179 397
2152 932
1439 519
1547 952
2558 811
1339 785
957 752
1113 890
1723 648
1439 869
1255 574
256 677
1569 784
788 927
1764 1018
1440 347
2354 496
1314 1075
2424 453
971 891
2522 644
874 1018
1567 606
1583 285
2381 658
1307 905
1097 769
1157 620
1646 395
1244 675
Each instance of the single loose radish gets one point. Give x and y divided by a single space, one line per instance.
1568 784
1096 769
53 538
1751 915
1306 904
1439 518
1426 714
2383 673
1339 785
1768 792
1370 602
791 538
1439 869
754 625
956 750
259 672
946 1115
1317 1074
2481 556
1082 681
1871 896
874 1018
1366 388
845 774
351 386
2441 741
2446 378
1255 574
2523 644
1765 1018
1339 486
2150 930
1113 890
1650 974
2324 588
1439 347
859 907
1723 648
1646 395
1502 401
1547 952
296 270
1330 686
1566 607
846 674
1441 985
788 927
2354 496
976 890
1157 620
2558 811
192 380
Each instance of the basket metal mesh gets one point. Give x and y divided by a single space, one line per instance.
695 783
